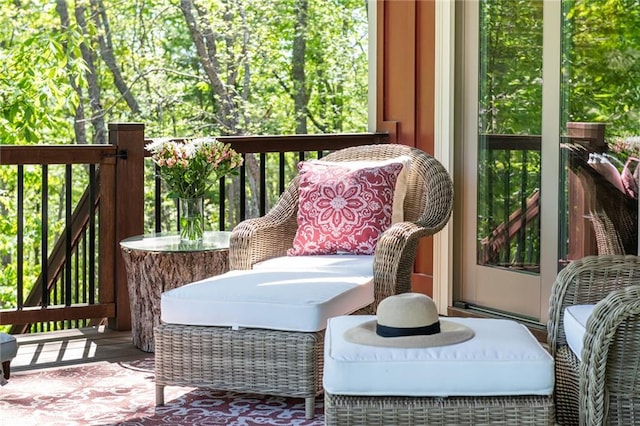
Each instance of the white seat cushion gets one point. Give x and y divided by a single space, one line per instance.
278 300
348 264
575 326
8 347
8 351
503 358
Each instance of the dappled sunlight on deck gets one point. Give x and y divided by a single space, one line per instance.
71 347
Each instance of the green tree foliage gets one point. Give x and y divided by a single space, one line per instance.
601 63
138 61
511 67
68 67
36 99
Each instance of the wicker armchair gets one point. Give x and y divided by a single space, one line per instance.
603 388
427 208
290 363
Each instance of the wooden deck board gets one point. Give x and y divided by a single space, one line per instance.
70 347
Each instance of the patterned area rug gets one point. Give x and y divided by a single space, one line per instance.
124 394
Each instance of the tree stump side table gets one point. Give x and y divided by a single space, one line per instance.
160 262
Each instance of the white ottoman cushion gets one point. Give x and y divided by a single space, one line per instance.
347 264
278 300
503 358
575 326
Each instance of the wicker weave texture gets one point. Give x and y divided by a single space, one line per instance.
427 208
344 410
605 387
246 360
567 392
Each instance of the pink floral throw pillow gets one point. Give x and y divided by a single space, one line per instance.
342 209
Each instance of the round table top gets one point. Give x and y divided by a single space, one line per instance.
170 242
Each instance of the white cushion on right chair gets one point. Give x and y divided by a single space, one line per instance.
575 326
277 300
347 264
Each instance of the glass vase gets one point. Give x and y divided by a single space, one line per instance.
191 219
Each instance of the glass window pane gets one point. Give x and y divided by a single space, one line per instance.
510 117
600 127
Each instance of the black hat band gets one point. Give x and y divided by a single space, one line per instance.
386 331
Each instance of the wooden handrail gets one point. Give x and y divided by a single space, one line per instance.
297 143
55 154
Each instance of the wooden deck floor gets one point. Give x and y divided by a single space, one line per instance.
73 347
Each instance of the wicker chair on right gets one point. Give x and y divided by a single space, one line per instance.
594 337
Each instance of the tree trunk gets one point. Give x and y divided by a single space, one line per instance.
227 111
205 42
97 113
150 273
300 97
106 52
78 121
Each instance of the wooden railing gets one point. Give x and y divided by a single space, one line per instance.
40 305
82 276
510 189
510 238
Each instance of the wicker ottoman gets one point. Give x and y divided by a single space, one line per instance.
251 360
501 376
253 331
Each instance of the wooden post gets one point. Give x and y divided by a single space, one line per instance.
582 240
589 134
128 207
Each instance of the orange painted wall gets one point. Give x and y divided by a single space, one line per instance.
405 87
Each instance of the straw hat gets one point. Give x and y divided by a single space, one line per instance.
408 320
